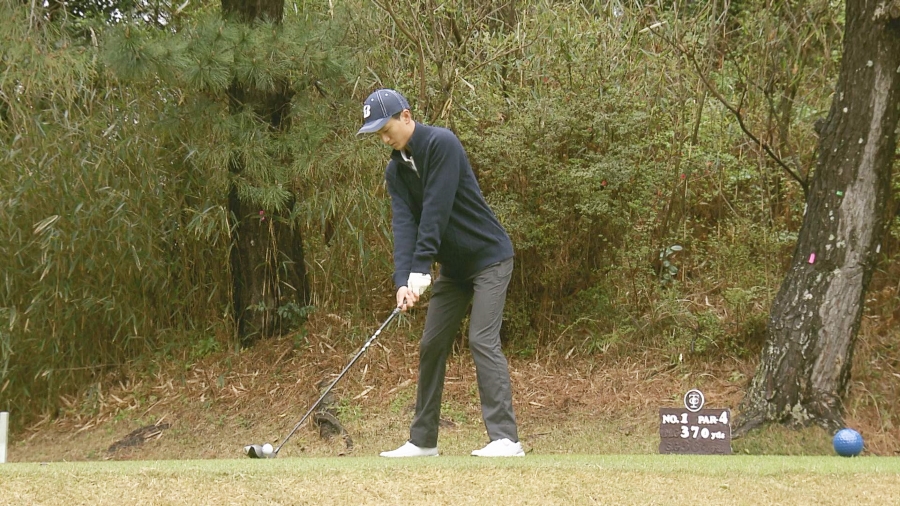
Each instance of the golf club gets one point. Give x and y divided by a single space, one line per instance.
266 451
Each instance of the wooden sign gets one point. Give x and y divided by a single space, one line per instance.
694 430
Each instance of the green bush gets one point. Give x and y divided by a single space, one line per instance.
593 137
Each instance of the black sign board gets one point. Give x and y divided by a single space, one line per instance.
695 430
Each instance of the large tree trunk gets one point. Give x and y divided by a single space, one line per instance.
267 252
814 320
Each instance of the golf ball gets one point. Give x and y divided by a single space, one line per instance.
848 443
267 449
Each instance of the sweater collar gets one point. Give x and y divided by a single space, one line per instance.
416 144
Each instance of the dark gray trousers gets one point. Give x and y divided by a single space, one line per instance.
449 300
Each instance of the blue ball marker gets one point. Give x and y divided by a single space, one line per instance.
848 443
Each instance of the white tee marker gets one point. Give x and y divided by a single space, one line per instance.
4 428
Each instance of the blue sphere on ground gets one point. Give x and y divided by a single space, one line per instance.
848 443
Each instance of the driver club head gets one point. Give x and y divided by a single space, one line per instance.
258 452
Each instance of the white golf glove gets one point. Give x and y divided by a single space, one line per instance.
418 283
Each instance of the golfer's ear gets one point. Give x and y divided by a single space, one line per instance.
406 115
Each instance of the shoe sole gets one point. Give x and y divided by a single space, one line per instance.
407 456
520 454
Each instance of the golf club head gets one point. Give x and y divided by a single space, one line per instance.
256 452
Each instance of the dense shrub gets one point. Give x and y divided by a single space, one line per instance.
642 214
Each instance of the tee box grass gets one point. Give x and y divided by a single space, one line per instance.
535 479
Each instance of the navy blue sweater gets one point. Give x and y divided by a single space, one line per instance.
438 211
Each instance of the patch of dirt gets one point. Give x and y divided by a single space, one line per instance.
138 436
214 407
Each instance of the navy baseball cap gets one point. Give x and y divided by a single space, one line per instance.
378 109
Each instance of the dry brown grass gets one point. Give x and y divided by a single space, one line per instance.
565 404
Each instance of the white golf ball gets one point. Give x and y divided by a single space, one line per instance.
267 449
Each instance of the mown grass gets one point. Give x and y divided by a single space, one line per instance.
536 479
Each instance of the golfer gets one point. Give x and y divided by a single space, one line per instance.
439 215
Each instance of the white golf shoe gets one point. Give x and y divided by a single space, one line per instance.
501 448
410 450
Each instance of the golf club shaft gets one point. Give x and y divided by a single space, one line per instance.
362 350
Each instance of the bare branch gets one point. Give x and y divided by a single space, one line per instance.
735 111
403 29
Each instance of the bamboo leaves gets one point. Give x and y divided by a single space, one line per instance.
96 256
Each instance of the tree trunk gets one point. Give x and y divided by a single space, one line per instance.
805 365
267 263
249 11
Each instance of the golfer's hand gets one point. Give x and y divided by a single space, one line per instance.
406 298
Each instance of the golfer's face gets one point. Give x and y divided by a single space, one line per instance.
396 132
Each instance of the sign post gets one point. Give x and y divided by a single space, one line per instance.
694 430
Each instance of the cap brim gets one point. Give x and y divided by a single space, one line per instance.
373 127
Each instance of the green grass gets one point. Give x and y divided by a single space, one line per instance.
536 479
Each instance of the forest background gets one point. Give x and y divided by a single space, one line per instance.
618 142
